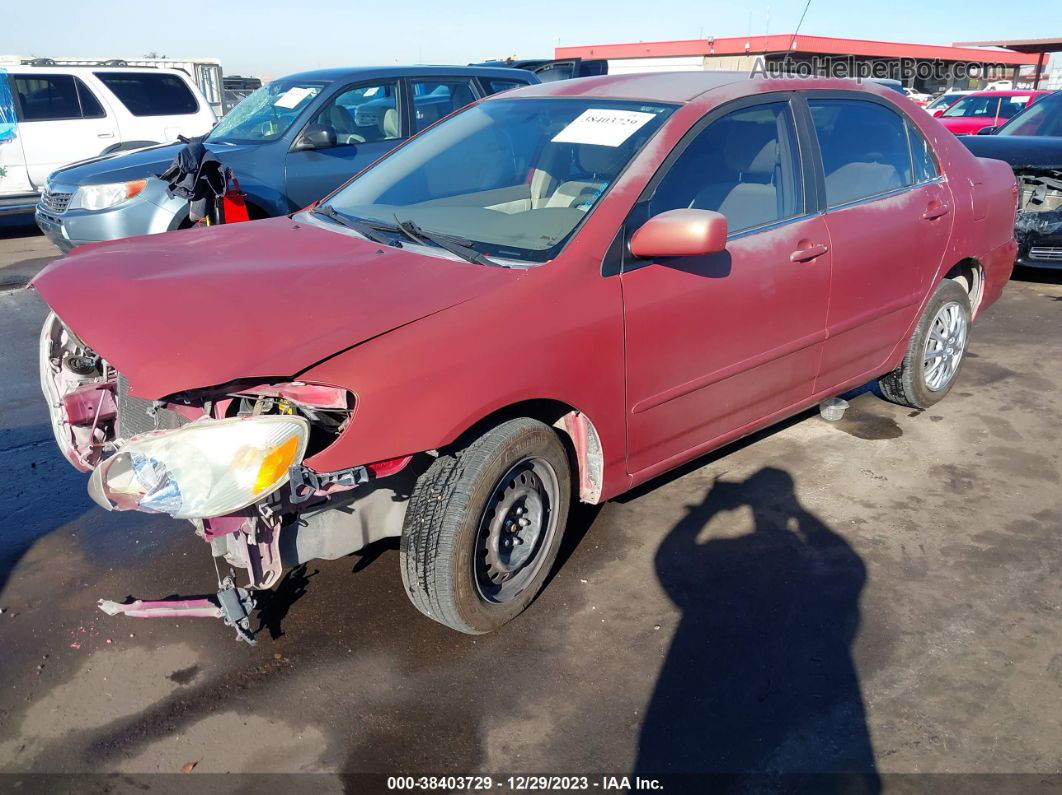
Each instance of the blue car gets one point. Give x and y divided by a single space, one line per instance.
289 143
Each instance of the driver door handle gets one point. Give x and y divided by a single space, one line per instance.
809 253
935 210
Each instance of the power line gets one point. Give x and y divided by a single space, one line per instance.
795 32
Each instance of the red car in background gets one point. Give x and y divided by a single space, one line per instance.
556 294
975 112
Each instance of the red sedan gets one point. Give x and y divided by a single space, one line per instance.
556 294
975 112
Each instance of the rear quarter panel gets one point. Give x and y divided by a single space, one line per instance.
983 204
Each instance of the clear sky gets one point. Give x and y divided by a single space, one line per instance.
269 38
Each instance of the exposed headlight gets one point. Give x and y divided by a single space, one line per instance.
100 197
208 468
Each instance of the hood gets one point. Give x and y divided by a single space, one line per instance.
203 307
965 125
125 166
1021 151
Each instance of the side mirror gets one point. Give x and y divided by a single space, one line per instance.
987 131
680 233
938 113
317 136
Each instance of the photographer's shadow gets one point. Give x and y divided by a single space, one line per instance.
759 678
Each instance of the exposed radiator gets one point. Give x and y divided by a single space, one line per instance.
134 416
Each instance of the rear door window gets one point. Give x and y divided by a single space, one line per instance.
147 94
56 98
557 70
925 164
864 149
494 85
47 97
1009 107
90 106
434 99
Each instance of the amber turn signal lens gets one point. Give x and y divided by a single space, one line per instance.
275 464
134 188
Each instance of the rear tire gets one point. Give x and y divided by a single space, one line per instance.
936 351
484 525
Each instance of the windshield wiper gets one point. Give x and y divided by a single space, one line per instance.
363 228
457 246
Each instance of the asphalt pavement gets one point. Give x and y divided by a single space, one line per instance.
23 251
879 595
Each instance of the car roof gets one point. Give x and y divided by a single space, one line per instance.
346 73
678 86
1017 92
81 69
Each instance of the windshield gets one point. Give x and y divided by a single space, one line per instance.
1040 118
942 101
512 178
986 107
266 114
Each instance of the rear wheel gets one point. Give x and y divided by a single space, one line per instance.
484 525
936 351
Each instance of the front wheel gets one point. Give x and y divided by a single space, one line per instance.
936 350
484 525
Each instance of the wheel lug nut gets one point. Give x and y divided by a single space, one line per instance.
524 522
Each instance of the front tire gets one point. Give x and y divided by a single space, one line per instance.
484 525
936 351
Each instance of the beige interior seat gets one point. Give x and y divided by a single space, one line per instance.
342 121
601 163
855 158
389 127
749 196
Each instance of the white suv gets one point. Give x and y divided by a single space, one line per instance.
54 115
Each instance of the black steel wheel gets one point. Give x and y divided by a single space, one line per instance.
484 524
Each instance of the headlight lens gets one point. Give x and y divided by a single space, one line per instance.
100 197
209 468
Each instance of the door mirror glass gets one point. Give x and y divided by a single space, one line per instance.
680 233
316 136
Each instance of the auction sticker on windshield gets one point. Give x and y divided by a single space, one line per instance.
293 96
603 127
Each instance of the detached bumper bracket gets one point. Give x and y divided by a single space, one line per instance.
305 483
231 604
236 606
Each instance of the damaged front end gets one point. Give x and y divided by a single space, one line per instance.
1038 227
230 459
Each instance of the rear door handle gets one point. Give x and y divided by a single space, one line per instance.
809 253
935 210
105 135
